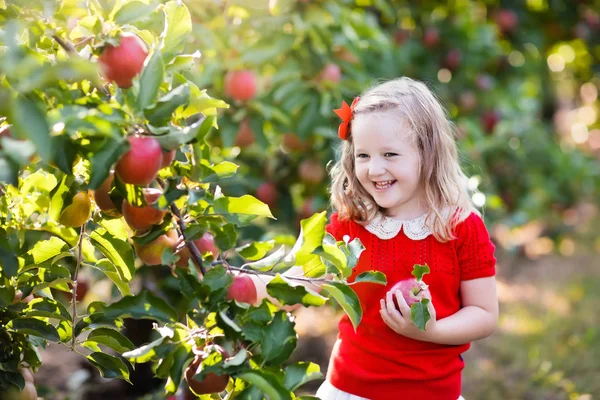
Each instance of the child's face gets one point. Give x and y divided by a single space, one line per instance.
387 165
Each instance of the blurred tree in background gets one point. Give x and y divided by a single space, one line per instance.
519 79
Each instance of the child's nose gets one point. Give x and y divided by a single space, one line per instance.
376 167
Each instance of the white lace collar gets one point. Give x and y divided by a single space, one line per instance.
385 227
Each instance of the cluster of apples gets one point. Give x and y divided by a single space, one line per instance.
141 163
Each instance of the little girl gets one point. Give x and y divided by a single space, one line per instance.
398 187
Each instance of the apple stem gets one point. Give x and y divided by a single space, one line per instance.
74 286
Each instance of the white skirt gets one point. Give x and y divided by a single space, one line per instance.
329 392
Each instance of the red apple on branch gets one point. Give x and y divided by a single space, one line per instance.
142 218
151 253
240 85
102 197
245 136
142 162
211 382
267 193
122 63
78 212
167 158
311 171
242 289
205 244
331 73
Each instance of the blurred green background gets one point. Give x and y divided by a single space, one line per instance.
520 80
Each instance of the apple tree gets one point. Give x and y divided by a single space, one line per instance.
519 79
107 175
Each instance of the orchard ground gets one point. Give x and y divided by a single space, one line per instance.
547 345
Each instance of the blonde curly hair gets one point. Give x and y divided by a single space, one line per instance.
443 182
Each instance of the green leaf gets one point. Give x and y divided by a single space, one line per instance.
8 260
288 294
101 161
312 232
241 210
183 62
118 251
201 102
29 121
353 251
110 338
48 308
61 196
300 373
269 261
347 299
267 383
133 11
256 250
279 339
144 353
162 111
217 278
372 277
334 256
419 271
35 327
419 313
178 27
214 173
109 366
142 306
152 77
111 272
178 136
44 250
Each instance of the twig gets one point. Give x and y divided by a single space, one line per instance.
296 278
69 48
72 51
196 256
74 286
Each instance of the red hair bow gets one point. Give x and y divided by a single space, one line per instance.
345 113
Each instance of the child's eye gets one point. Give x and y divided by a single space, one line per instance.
362 155
390 154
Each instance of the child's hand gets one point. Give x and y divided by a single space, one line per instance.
400 322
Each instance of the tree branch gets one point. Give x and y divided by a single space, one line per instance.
195 253
253 272
74 286
69 48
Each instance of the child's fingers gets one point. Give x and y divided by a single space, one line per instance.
404 308
391 306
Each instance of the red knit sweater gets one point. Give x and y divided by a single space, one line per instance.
377 363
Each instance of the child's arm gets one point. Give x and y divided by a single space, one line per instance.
476 319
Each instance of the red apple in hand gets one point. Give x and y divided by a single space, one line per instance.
240 85
142 162
242 289
412 290
122 63
142 218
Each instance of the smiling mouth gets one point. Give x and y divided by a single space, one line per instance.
383 185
